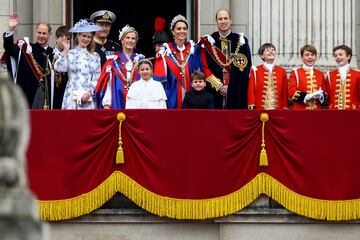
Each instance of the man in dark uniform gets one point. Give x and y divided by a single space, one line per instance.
104 46
229 58
30 63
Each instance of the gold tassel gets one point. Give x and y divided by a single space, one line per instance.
120 153
264 117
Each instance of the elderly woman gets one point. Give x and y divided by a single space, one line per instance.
177 61
119 72
82 65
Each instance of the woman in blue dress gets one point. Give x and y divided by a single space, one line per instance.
83 66
119 72
177 61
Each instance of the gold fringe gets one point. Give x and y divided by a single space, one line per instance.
199 209
74 207
264 117
120 153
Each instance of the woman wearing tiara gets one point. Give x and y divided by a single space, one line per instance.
83 66
119 72
176 61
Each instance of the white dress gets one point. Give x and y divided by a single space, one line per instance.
148 94
83 69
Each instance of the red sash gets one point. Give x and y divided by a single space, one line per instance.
209 48
34 66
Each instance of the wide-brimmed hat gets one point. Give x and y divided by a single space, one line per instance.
103 16
85 26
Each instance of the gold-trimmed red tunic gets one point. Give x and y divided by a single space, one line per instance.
268 90
304 82
344 95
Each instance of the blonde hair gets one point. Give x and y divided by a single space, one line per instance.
125 31
90 47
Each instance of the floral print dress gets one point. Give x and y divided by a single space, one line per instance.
83 70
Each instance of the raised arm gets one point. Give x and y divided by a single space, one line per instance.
9 46
14 21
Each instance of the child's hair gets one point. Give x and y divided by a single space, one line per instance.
197 74
345 48
265 46
145 61
62 31
309 48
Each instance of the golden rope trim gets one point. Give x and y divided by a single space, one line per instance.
202 208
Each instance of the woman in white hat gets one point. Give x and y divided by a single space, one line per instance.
82 65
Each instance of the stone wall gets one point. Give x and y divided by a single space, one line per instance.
291 24
262 220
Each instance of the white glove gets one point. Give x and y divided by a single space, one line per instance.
319 95
308 97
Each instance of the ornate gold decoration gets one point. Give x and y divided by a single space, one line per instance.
264 117
120 153
214 82
270 99
181 66
312 87
106 16
240 61
344 92
226 64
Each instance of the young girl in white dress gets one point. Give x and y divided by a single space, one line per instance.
146 93
82 65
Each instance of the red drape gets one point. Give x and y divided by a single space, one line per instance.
194 154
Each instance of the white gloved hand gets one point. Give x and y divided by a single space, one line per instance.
308 97
318 94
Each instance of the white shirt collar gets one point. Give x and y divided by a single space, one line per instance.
224 36
307 68
343 71
269 66
181 48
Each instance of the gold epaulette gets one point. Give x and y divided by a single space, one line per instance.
215 82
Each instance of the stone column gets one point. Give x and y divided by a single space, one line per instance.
51 12
357 39
207 10
290 24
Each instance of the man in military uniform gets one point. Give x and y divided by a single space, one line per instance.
104 46
229 59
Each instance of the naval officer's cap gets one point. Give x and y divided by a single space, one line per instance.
103 16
